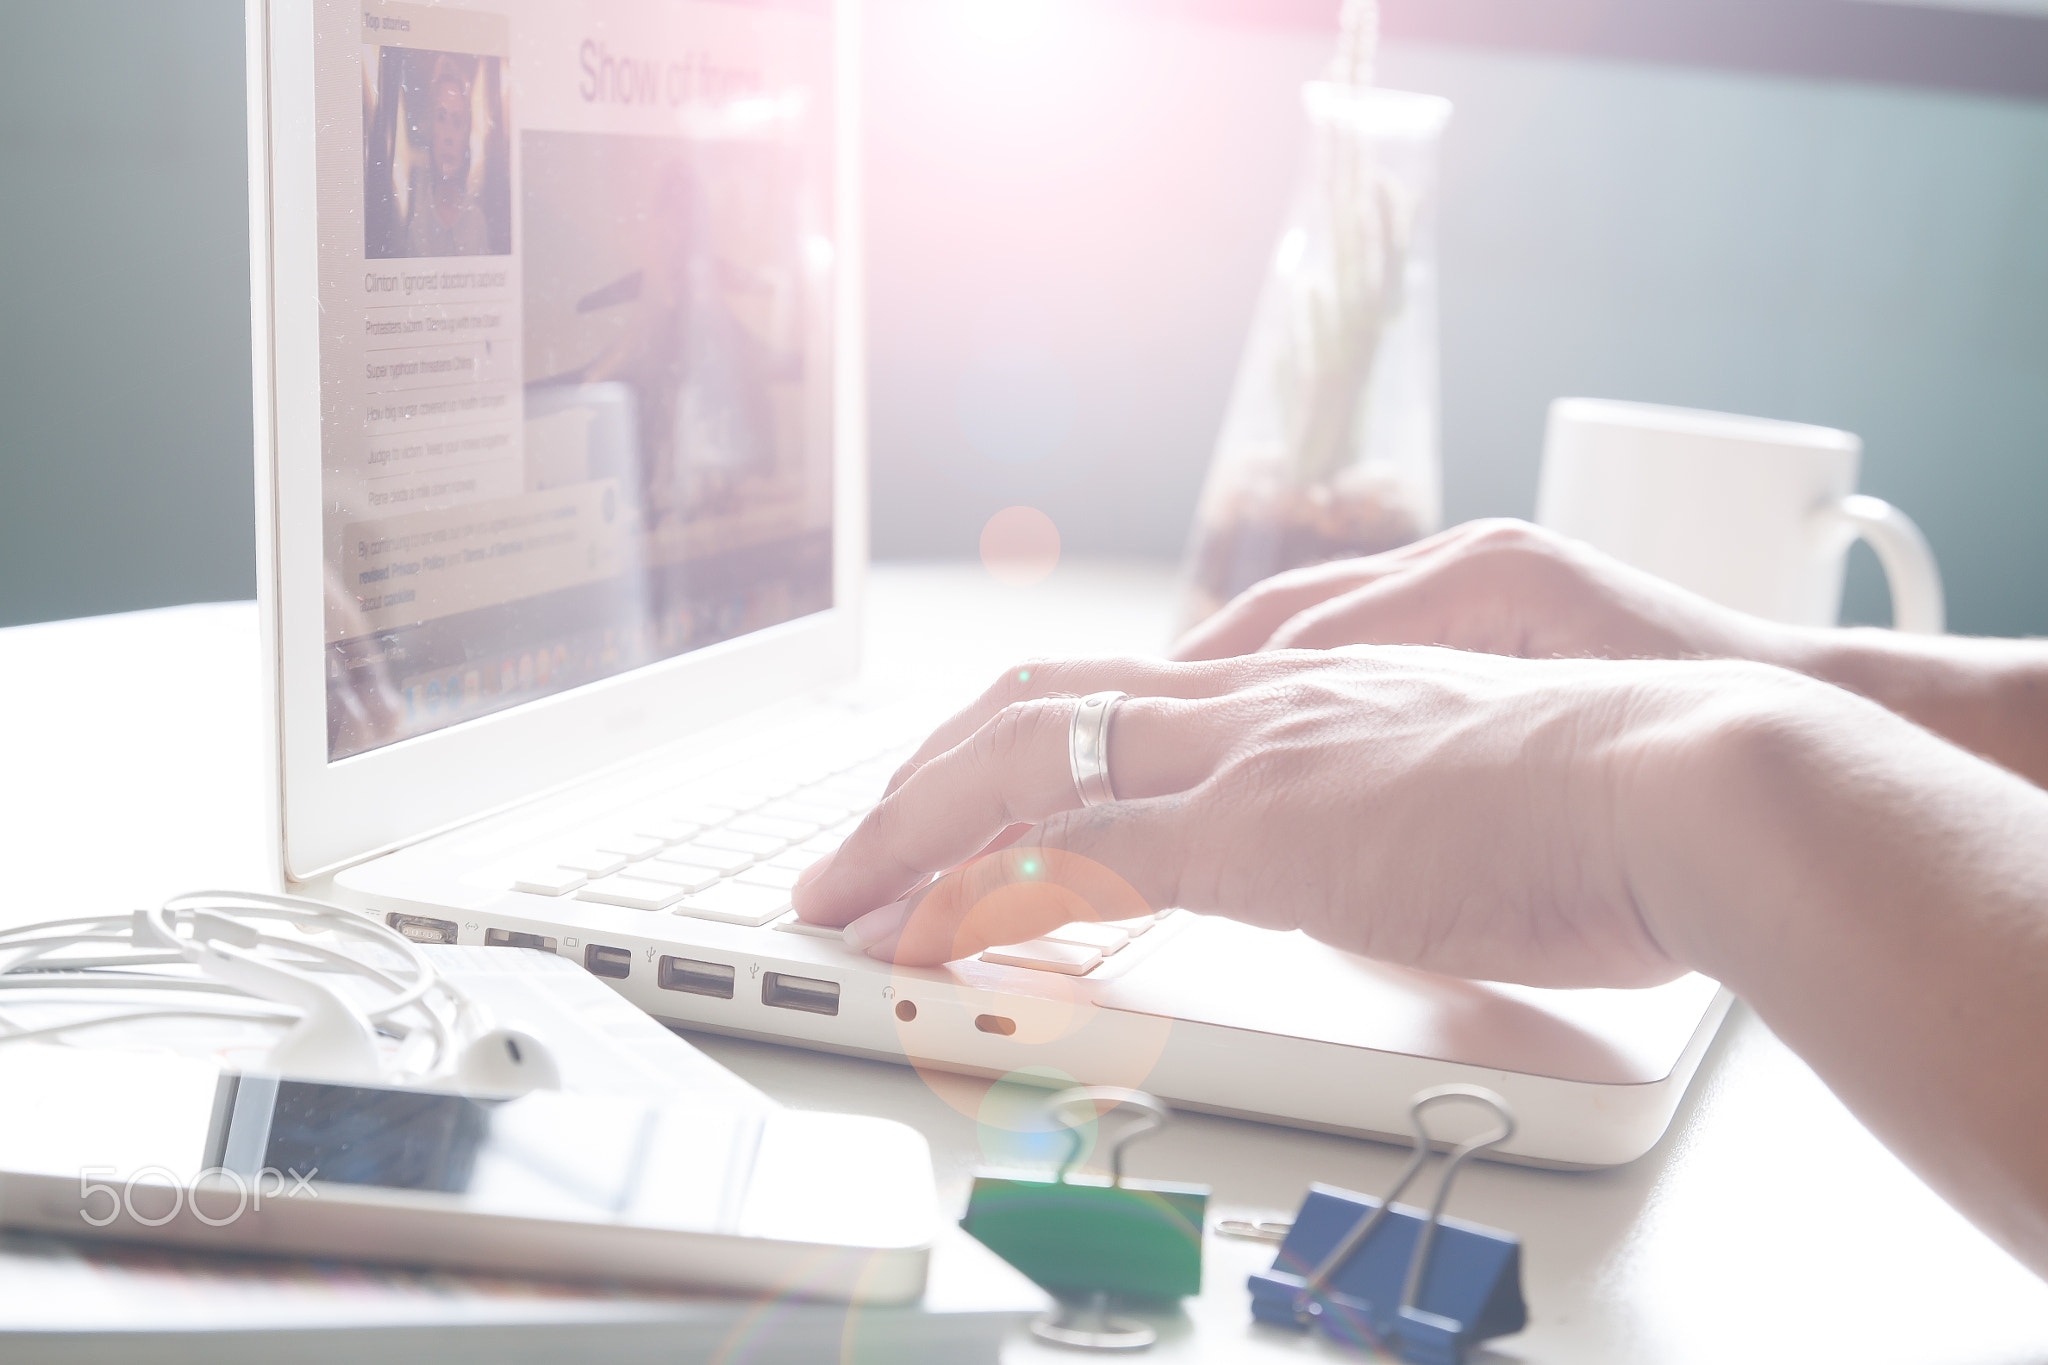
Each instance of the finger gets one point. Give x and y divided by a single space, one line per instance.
1014 769
1249 619
1040 678
1244 622
1455 599
1002 841
1391 611
1107 863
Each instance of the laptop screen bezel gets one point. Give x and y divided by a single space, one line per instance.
326 815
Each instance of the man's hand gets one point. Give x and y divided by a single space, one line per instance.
1506 587
1498 587
1875 893
1456 812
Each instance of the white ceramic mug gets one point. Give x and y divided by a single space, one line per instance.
1757 515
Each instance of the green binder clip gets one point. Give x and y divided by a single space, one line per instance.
1088 1240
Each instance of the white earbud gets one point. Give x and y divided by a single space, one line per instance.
359 1002
507 1061
332 1040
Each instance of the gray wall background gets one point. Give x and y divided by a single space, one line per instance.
1066 236
125 470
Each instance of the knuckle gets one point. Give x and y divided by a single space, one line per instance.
1292 634
1284 590
1222 676
1026 678
1309 628
1279 588
1123 672
1311 575
1301 698
1247 674
1003 746
1508 535
891 836
880 829
1279 723
1005 732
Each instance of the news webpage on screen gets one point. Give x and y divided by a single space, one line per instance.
575 283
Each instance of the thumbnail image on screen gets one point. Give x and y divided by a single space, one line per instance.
437 173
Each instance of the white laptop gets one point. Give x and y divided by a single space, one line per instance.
559 426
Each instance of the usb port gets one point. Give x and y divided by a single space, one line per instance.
612 962
698 978
800 993
512 938
420 929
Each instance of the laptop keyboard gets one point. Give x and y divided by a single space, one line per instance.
731 852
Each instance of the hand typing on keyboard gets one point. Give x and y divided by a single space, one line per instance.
1877 893
1459 812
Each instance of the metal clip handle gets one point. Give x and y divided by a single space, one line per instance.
1418 1263
1156 1115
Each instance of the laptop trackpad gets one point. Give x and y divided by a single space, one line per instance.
1217 971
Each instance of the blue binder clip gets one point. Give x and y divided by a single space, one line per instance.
1368 1274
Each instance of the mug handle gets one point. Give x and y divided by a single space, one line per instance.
1908 562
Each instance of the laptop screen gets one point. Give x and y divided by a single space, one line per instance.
576 264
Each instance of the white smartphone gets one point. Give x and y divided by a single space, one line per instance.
155 1148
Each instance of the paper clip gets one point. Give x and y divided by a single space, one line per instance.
1086 1239
1424 1287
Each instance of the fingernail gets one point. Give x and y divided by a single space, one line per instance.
885 951
875 926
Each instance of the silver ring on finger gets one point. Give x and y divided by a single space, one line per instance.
1088 746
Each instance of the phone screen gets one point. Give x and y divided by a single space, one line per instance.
545 1153
349 1134
111 1118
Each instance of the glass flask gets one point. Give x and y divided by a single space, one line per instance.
1329 445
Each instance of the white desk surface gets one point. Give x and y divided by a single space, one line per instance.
1767 1224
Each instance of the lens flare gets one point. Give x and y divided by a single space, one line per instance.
1032 1029
1015 1129
1020 547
